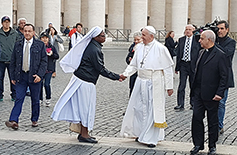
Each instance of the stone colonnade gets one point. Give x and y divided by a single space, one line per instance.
123 14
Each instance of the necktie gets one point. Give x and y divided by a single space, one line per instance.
186 52
26 57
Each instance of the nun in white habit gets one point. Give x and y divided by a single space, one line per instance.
145 115
78 101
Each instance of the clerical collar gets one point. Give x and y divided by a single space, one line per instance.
210 49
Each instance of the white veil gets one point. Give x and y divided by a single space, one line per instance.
70 62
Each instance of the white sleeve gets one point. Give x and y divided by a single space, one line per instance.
73 39
168 74
132 67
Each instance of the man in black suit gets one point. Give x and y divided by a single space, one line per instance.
210 81
228 46
187 53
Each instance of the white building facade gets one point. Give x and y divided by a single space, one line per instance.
122 14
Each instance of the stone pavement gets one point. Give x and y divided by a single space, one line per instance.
112 98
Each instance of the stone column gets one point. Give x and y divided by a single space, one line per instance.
208 16
138 14
127 14
72 12
157 16
116 14
220 9
38 14
6 9
26 9
168 15
179 16
84 13
96 13
233 16
51 12
198 9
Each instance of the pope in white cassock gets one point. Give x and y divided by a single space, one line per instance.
145 114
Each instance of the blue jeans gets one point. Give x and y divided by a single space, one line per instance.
3 67
20 96
47 80
221 109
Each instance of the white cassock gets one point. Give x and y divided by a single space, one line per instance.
145 114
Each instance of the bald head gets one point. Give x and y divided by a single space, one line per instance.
207 39
210 35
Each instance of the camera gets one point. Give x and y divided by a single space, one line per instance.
209 26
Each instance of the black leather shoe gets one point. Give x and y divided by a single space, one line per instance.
87 140
196 149
136 140
80 135
178 108
212 151
151 145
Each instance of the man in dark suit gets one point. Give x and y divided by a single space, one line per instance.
210 80
228 46
27 68
187 53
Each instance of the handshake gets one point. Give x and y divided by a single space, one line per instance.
122 77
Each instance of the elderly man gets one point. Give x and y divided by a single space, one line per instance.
210 81
78 101
145 114
21 23
228 46
27 68
187 53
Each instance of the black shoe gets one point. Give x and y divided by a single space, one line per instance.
196 149
136 140
80 136
151 145
87 140
178 107
212 151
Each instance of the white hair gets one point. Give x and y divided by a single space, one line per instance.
190 25
20 19
210 35
139 34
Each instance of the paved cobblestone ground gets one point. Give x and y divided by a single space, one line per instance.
112 99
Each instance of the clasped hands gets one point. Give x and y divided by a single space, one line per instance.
122 77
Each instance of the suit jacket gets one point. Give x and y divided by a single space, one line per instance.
214 75
228 46
38 60
195 47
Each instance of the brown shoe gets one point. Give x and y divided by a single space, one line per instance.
34 124
12 124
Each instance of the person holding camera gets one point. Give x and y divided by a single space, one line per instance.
228 46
